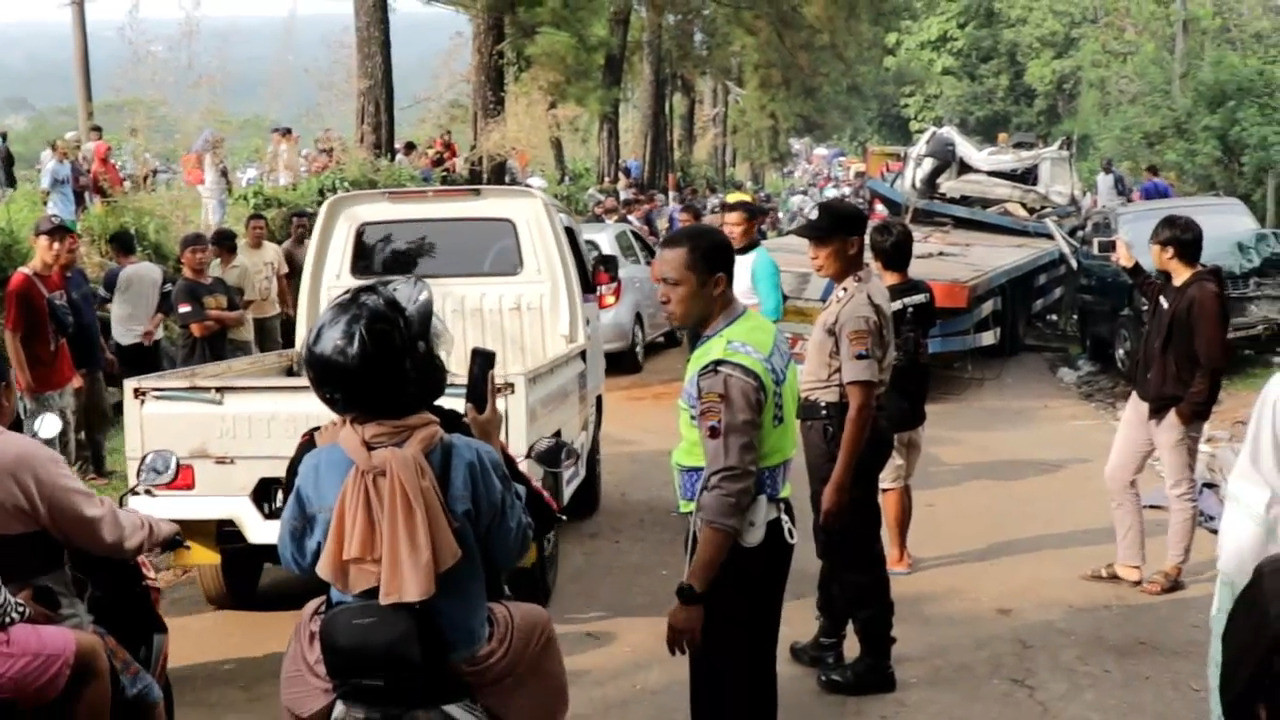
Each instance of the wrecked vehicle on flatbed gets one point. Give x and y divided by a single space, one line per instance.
1110 314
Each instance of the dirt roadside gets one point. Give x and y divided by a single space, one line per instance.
994 624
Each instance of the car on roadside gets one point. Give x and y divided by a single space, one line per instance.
630 316
1111 315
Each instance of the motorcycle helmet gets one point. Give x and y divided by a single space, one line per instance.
363 357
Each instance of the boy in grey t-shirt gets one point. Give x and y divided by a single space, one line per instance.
139 295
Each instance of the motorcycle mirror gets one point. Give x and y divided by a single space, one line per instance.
47 426
553 454
158 468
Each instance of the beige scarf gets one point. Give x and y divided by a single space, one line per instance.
391 528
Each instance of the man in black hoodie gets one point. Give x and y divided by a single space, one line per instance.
1180 364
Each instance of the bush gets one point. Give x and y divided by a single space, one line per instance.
356 174
18 215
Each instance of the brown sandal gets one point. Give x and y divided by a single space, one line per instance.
96 480
1107 574
1163 583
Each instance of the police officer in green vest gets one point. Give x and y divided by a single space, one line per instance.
737 438
848 361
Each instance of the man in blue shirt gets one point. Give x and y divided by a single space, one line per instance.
1154 187
91 357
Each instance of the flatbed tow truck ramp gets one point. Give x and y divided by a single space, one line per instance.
987 285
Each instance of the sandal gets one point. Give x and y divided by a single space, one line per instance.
93 480
1162 583
1107 574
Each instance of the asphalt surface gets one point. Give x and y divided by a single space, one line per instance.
994 623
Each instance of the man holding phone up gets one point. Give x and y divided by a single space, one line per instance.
1181 359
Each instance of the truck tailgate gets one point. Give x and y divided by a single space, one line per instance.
242 432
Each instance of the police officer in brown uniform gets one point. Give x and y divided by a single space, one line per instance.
848 362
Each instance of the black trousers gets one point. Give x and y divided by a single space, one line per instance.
853 581
138 359
734 672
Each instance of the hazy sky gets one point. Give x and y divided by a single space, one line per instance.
115 10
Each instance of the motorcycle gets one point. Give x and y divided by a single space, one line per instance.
123 596
378 676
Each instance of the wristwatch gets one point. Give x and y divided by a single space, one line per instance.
688 595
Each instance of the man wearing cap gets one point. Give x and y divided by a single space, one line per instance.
850 356
204 306
731 469
37 323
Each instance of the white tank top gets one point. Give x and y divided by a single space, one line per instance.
743 288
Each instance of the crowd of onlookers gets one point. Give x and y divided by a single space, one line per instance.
235 296
432 162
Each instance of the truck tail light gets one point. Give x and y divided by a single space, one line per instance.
185 479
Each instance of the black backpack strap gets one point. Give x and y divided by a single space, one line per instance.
446 463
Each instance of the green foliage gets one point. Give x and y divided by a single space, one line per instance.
573 194
356 174
1104 73
156 220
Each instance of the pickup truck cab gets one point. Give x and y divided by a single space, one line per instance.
509 272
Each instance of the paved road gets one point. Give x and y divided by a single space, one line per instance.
993 625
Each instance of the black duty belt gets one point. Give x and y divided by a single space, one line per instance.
820 410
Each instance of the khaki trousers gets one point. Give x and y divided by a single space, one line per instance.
1175 445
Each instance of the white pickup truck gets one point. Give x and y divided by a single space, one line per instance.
509 272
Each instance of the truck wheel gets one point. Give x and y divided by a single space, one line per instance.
537 584
1015 319
1093 347
586 497
632 361
231 585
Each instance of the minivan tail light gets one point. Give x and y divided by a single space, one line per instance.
184 480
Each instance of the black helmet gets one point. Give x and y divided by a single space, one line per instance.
370 352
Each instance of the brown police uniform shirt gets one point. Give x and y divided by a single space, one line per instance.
852 340
731 405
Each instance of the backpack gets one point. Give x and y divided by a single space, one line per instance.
192 169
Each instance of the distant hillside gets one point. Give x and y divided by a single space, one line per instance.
294 70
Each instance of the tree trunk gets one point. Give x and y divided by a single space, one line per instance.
722 132
688 118
375 93
488 88
608 139
655 156
557 144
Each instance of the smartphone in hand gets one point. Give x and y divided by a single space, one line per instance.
483 360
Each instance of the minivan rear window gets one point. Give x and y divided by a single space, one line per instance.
454 247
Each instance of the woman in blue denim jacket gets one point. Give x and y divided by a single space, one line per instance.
371 359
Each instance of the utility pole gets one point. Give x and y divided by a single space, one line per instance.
84 90
1179 46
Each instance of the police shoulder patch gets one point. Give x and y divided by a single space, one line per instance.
859 344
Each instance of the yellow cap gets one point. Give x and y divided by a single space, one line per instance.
737 197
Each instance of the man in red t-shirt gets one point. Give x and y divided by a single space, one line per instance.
449 149
37 321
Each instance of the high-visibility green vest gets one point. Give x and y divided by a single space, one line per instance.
754 343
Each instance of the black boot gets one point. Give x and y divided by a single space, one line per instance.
824 650
860 677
